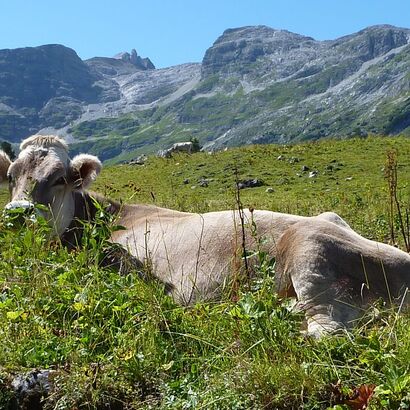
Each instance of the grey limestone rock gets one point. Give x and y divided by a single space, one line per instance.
31 388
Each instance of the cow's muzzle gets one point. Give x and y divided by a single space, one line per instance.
22 205
18 212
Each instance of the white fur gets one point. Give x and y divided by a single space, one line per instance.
46 141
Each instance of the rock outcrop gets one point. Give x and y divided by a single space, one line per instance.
281 54
136 60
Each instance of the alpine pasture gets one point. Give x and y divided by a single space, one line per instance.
113 341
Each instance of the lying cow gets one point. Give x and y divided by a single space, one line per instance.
197 253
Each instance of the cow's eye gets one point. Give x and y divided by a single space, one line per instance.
60 181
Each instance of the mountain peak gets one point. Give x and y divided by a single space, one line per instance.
135 59
259 33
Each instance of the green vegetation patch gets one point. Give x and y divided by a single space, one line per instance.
104 127
393 116
349 179
118 342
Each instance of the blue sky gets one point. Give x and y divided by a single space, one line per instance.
176 31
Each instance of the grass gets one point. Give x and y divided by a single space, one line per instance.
350 180
116 342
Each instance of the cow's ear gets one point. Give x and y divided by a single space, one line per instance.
87 167
4 166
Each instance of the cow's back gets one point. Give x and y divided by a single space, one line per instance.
197 253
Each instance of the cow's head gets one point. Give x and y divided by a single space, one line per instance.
44 174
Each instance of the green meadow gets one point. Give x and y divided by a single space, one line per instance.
117 342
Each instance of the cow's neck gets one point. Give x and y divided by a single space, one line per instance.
85 209
115 257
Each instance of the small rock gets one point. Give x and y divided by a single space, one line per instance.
348 178
305 168
250 183
141 160
294 160
313 174
203 183
30 388
185 181
280 158
269 190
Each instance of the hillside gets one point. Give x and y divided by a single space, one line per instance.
107 341
254 85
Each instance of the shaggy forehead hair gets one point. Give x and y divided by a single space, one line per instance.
44 141
41 156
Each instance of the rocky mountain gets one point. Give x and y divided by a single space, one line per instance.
254 85
307 89
41 86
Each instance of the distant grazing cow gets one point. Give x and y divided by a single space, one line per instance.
320 257
186 147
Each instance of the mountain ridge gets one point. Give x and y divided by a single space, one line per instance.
255 84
